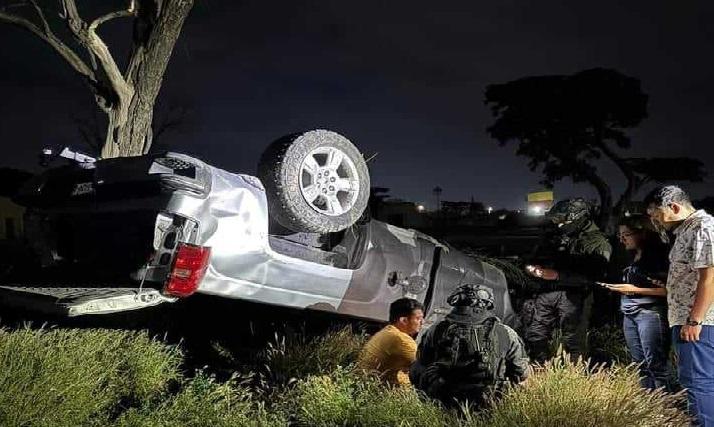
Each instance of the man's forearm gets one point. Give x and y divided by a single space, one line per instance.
652 292
705 294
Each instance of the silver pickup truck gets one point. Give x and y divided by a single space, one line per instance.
127 233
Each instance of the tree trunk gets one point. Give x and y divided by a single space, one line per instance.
610 223
156 31
618 212
605 218
634 184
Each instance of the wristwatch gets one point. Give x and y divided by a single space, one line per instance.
691 322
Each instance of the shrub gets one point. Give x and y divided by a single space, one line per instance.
203 402
563 393
607 344
346 398
296 356
513 270
78 377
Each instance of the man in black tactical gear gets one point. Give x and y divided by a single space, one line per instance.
470 352
571 257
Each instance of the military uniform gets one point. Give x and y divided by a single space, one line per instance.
579 252
469 353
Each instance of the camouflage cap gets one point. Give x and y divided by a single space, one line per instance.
472 295
569 210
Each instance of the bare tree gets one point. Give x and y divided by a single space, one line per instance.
126 96
92 128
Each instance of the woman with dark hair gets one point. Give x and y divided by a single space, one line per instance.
643 302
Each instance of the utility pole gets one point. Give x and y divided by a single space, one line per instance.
437 192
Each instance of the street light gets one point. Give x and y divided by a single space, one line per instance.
420 208
489 209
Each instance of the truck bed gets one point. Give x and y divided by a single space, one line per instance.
69 301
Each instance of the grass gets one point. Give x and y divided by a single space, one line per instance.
203 402
55 377
607 344
79 377
565 393
296 355
347 398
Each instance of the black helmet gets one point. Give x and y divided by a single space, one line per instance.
472 296
569 214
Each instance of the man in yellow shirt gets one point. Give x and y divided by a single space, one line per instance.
391 351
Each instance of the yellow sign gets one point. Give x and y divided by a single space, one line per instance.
541 196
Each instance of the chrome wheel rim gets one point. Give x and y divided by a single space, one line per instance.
329 182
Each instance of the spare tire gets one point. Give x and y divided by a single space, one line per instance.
316 181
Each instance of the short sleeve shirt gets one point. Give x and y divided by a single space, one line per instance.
391 353
693 249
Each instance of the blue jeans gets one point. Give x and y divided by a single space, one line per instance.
647 337
696 373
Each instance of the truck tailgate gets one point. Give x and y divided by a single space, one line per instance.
79 301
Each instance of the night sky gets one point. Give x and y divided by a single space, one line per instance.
402 79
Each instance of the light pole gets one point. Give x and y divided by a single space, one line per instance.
437 192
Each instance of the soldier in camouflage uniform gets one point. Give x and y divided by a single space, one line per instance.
572 256
470 352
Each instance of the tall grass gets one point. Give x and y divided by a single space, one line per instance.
565 393
118 378
79 377
203 402
60 377
607 344
296 355
346 398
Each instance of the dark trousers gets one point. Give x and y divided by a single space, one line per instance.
696 373
556 309
647 336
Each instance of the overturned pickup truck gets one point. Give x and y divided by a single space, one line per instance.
128 233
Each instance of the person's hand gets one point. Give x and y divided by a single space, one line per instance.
431 380
623 288
690 333
542 273
658 283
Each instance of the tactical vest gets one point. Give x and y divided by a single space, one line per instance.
471 354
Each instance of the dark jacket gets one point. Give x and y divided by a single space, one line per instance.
580 259
441 379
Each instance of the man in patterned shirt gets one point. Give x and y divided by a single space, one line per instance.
690 294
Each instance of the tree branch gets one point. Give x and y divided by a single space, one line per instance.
610 154
88 37
131 11
48 36
45 24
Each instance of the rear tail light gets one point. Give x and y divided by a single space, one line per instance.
189 268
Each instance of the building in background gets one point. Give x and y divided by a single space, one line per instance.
11 226
403 214
539 202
